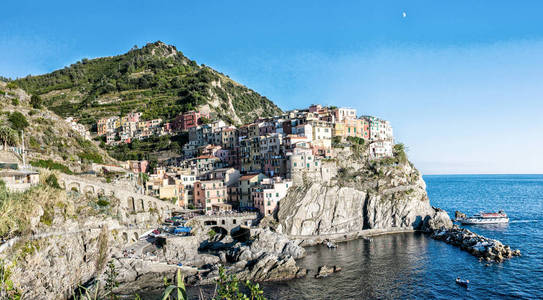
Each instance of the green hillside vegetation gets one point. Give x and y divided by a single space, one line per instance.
156 79
49 140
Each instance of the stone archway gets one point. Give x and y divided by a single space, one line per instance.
74 186
88 189
131 204
125 237
220 233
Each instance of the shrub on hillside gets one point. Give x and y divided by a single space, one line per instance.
18 121
51 165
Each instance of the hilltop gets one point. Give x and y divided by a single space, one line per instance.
156 79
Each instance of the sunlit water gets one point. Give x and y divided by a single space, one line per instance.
407 266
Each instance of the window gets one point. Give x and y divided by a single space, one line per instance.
276 195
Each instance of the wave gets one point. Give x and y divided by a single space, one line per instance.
523 221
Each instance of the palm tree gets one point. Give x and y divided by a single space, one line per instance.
8 136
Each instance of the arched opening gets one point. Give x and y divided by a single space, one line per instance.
223 222
131 205
241 234
74 186
125 237
234 221
217 233
88 189
136 236
210 223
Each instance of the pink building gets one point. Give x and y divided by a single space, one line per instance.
269 193
138 166
208 193
189 119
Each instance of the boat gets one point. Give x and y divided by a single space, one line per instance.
485 218
461 282
331 245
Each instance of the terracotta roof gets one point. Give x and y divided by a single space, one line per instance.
205 157
246 177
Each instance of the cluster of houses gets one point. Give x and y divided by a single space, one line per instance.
79 128
253 166
118 130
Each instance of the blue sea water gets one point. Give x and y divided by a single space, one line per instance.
414 266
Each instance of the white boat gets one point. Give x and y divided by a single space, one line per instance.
485 218
331 245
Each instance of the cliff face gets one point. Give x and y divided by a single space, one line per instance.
354 193
68 241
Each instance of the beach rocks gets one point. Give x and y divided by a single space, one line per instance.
270 267
477 245
324 271
265 241
459 215
439 220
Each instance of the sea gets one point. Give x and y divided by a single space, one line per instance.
414 266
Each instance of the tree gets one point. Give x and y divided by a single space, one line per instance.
18 121
35 101
8 136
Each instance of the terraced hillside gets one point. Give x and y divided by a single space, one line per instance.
50 141
156 79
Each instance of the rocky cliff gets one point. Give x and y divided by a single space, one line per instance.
355 195
63 240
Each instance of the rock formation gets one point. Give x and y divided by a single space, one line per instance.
358 195
477 245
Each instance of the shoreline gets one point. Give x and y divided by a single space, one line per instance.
306 241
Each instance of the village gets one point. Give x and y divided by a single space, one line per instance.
250 167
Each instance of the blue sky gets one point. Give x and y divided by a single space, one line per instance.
459 80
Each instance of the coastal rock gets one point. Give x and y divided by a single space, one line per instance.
265 241
270 267
356 196
179 249
324 271
477 245
440 220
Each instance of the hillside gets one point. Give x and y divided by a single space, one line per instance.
48 138
157 80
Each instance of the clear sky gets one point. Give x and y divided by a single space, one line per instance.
459 80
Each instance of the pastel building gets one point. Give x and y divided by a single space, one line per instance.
246 184
268 194
343 113
209 193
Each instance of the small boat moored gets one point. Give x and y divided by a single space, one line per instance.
485 218
331 245
461 282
